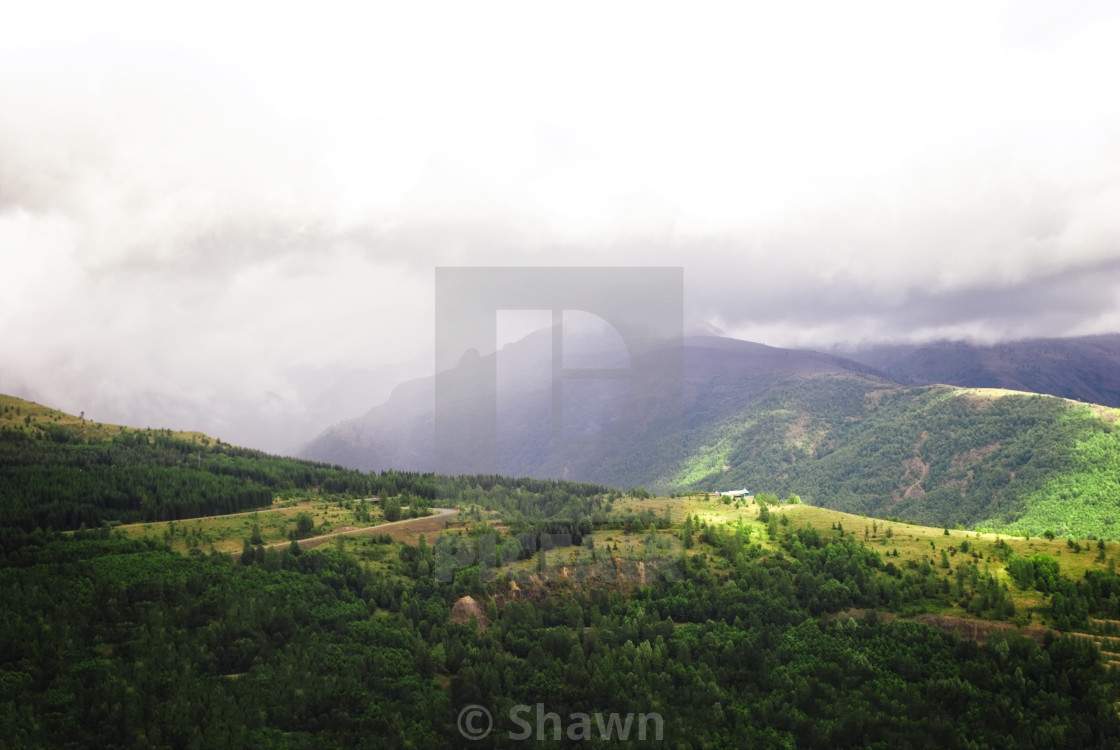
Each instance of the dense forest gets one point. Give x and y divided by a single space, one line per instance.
118 643
53 476
716 635
1024 464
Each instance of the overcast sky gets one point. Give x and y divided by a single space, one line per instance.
229 207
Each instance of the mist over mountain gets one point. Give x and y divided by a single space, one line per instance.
1085 368
278 420
838 432
721 376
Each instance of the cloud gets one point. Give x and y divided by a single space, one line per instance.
207 208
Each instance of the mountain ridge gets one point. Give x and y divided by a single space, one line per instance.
1085 368
841 433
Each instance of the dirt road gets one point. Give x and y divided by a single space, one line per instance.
392 526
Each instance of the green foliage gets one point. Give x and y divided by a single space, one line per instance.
305 524
107 642
1080 495
147 643
934 454
392 509
1039 572
146 476
115 639
154 475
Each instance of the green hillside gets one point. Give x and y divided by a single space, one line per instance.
938 455
762 634
20 418
59 471
731 624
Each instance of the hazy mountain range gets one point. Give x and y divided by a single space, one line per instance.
721 376
837 432
1086 368
872 436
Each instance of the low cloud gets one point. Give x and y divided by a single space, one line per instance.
212 225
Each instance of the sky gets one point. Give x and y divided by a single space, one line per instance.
227 216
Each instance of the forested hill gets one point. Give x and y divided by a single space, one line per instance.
941 456
60 471
840 434
731 627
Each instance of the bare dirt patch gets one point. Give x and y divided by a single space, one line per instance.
979 630
967 628
915 470
1107 413
462 610
410 532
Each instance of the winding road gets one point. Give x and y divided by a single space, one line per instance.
315 541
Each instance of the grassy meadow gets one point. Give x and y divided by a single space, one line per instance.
228 533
